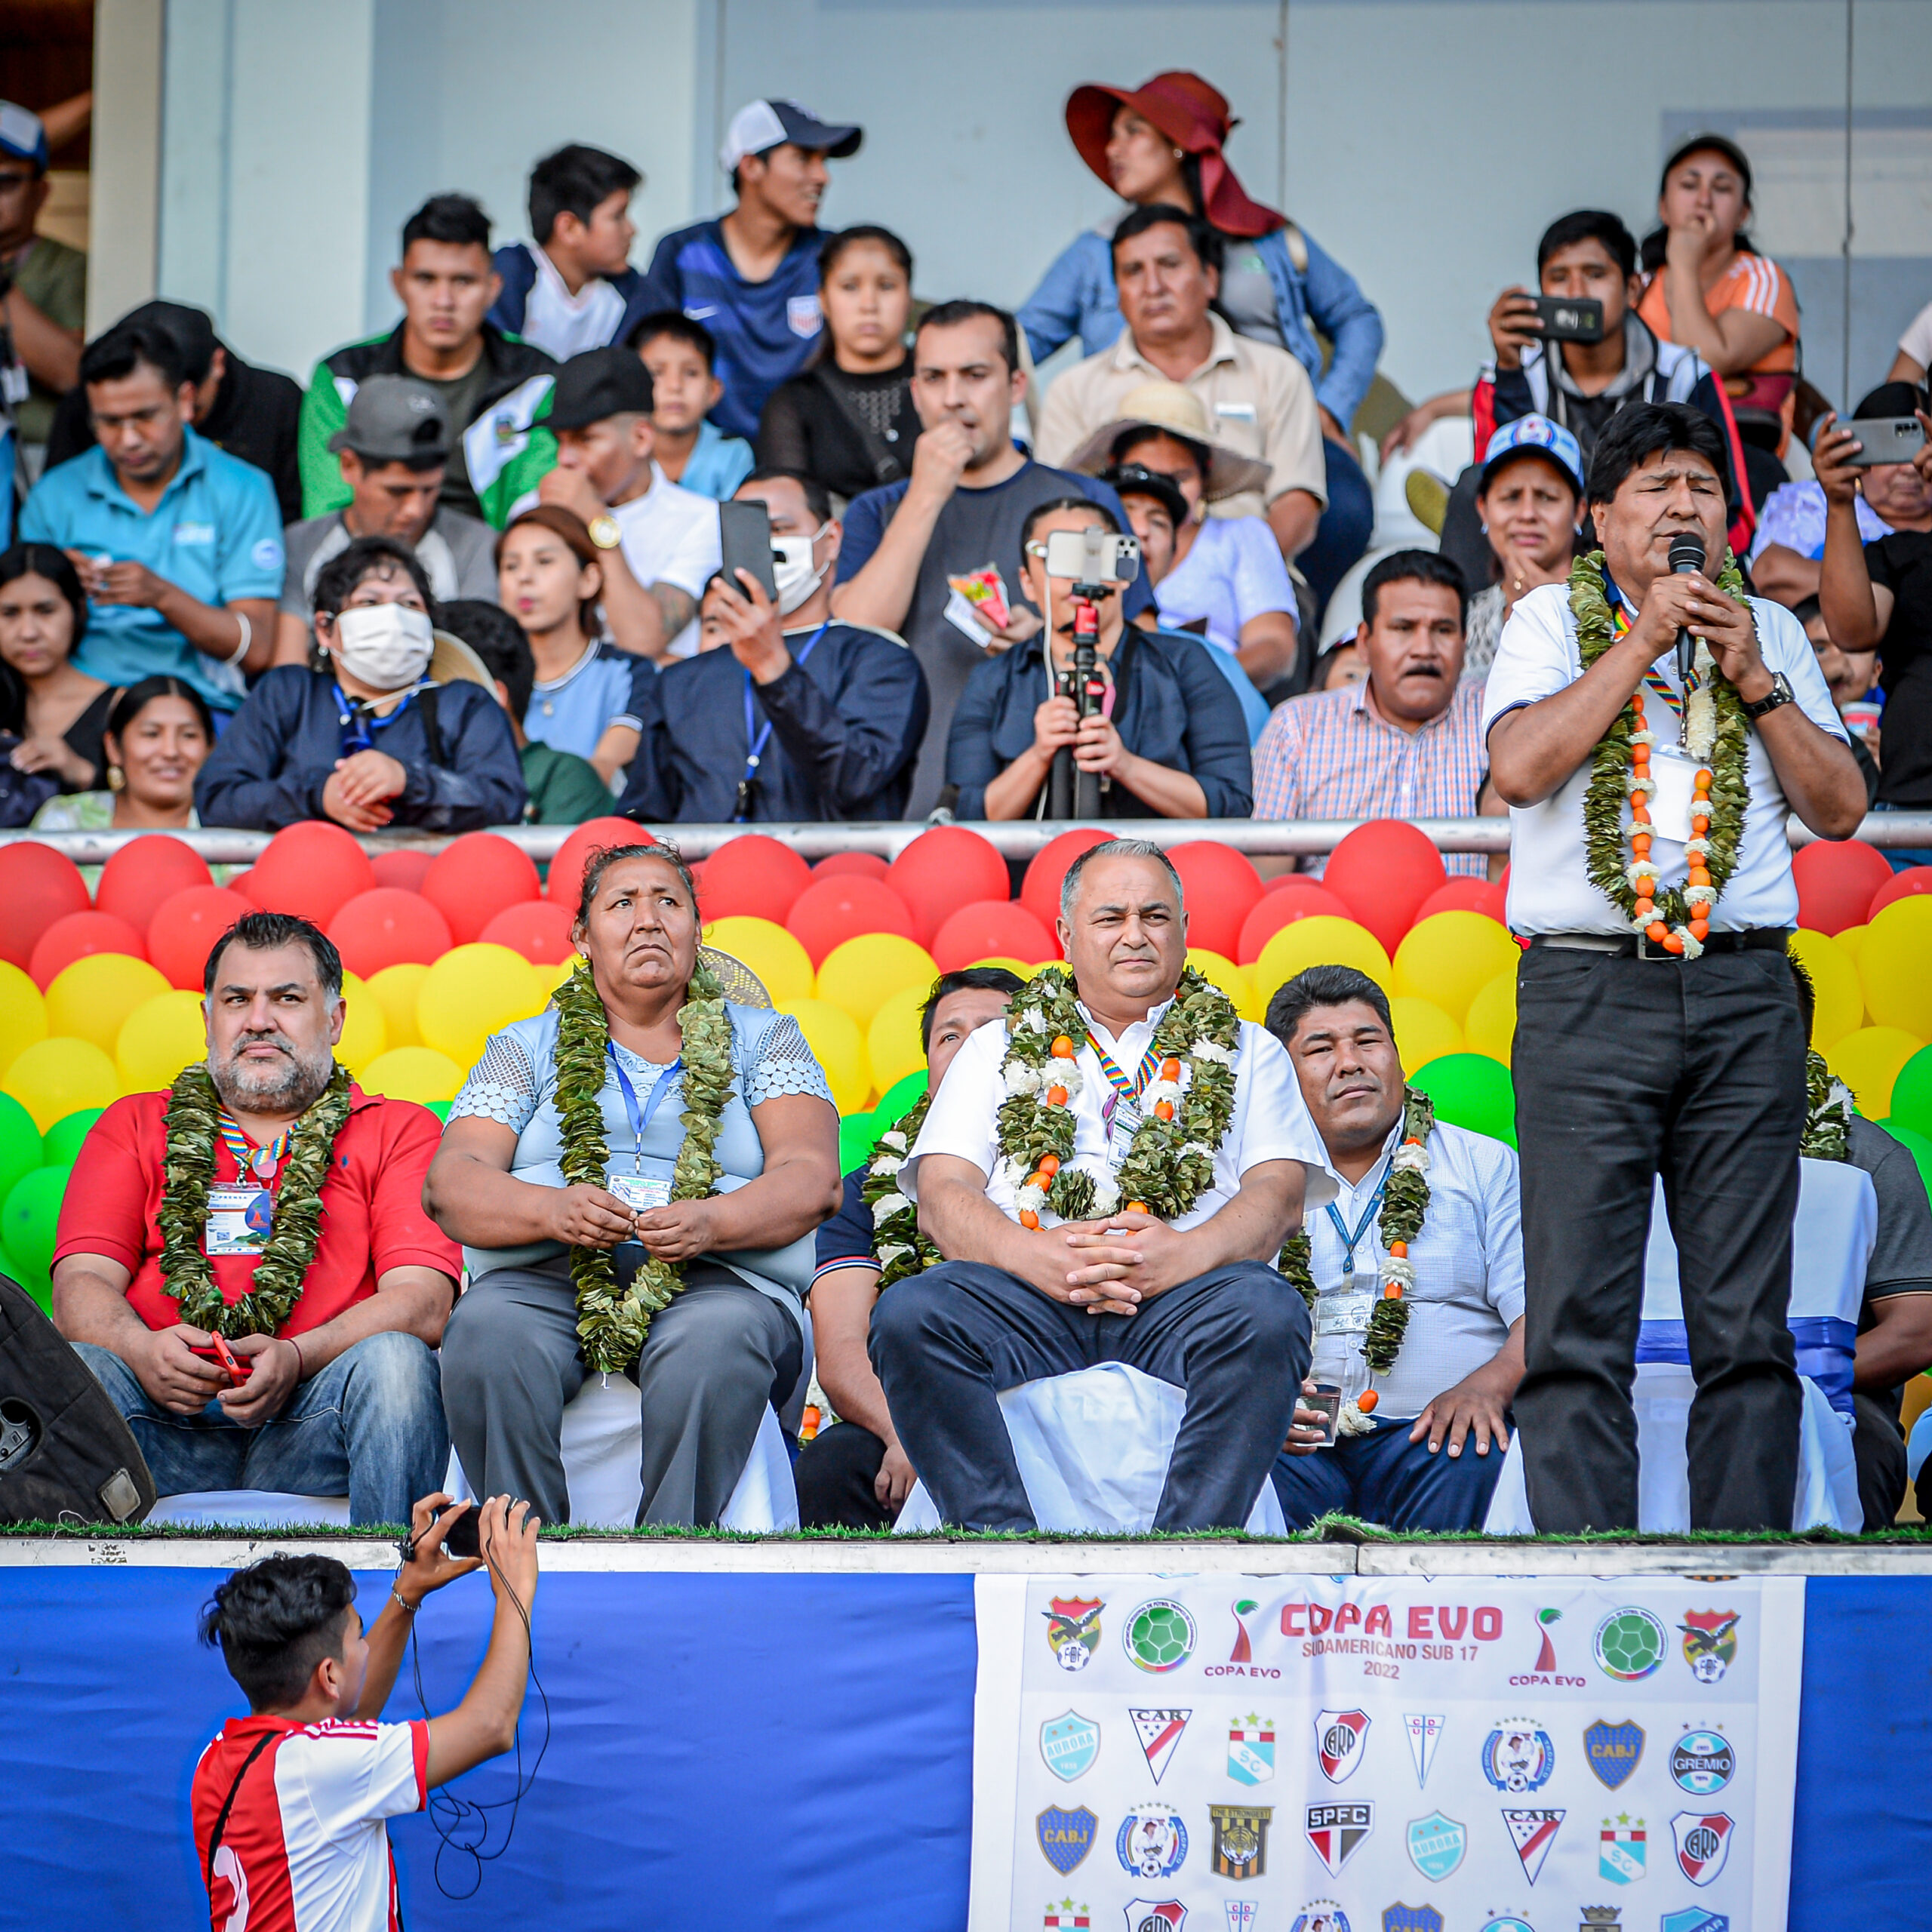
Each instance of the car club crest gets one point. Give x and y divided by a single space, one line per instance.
1335 1831
1425 1730
1518 1756
1146 1915
1339 1737
1151 1842
1703 1843
1436 1845
1159 1732
1702 1762
1612 1750
1251 1751
1241 1839
1069 1743
1532 1833
1073 1629
1066 1837
1621 1847
1710 1642
1320 1915
1411 1918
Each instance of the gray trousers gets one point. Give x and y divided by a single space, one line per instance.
712 1360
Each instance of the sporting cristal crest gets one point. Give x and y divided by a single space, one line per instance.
1251 1751
1621 1847
1067 1917
1073 1629
1241 1839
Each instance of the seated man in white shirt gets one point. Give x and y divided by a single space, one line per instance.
1422 1437
1034 1174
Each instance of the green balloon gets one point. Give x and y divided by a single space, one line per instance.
1912 1093
63 1145
21 1150
30 1221
441 1109
1920 1146
1471 1091
858 1135
900 1098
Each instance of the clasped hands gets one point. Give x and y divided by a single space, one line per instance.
1111 1265
586 1216
1095 742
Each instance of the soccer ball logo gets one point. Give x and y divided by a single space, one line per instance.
1159 1635
1630 1645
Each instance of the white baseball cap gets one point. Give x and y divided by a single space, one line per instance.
761 126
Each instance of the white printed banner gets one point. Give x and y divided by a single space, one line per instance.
1248 1754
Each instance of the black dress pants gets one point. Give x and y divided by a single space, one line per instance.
833 1476
1626 1068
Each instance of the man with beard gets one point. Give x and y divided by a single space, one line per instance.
264 1213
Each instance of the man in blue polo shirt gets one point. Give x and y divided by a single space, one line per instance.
750 277
178 544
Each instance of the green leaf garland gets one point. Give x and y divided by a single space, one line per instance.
901 1248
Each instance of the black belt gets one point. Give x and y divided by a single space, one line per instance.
1639 946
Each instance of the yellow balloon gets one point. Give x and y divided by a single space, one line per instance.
1491 1028
769 950
1868 1062
1892 966
839 1048
159 1039
551 977
22 1013
54 1077
893 1043
1025 968
470 992
365 1031
1235 981
1423 1032
861 974
396 989
1840 1008
1450 957
412 1073
91 999
1321 940
1851 940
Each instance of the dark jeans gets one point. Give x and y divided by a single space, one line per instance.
1383 1478
944 1343
835 1474
1878 1445
1625 1069
1346 524
370 1425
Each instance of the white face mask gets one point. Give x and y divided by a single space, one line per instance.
386 646
792 571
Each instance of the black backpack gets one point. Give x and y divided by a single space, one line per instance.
66 1454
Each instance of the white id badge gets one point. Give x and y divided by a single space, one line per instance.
1343 1314
239 1220
1674 771
640 1192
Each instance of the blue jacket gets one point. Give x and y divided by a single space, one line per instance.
268 767
1171 705
1076 296
846 725
518 267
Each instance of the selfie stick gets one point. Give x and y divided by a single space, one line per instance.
1072 793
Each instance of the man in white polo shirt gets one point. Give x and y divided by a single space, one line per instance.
1155 1096
1657 1029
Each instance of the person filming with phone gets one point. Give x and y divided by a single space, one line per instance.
1152 731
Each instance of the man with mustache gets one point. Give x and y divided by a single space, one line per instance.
1405 743
344 1395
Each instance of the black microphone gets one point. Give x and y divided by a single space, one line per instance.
1686 556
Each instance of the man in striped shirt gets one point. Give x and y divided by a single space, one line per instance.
1407 742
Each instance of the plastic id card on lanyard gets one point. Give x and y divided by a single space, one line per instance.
239 1220
757 739
1346 1311
359 725
637 1190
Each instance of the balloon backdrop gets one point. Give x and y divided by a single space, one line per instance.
91 999
312 869
38 885
943 869
1384 870
771 952
53 1077
157 1039
1219 888
1237 982
1841 999
396 989
1836 879
899 1098
412 1073
1471 1091
30 1227
1869 1062
22 1012
1851 939
1450 957
858 1135
21 1150
1319 940
990 929
404 870
1281 905
185 929
474 878
384 926
470 993
895 1044
537 928
838 1046
868 865
1893 965
759 876
842 906
1463 894
76 935
1912 1092
1491 1027
137 880
860 974
1901 885
1039 890
565 881
60 1146
365 1032
1423 1031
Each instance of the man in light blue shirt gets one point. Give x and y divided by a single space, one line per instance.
178 544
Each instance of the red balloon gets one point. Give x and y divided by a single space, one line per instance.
184 927
312 869
1039 890
1462 894
403 870
566 878
1901 885
145 873
866 865
384 928
474 878
1284 902
943 869
538 930
38 885
992 929
754 876
1383 871
830 911
76 935
1221 888
1836 879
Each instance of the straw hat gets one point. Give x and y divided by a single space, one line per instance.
1179 412
452 662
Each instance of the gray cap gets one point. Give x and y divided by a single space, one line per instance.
393 419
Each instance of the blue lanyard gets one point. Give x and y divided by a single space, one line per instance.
1350 1241
757 743
359 725
640 1118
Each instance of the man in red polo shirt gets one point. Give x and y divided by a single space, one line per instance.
337 1388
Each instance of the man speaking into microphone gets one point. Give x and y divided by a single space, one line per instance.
1657 1028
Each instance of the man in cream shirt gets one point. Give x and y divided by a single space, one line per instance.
1197 1304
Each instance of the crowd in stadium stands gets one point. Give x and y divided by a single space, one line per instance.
475 576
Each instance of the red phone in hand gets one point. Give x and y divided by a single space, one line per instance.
239 1368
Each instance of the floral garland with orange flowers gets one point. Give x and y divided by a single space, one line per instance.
1716 733
1170 1162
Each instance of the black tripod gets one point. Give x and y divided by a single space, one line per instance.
1071 792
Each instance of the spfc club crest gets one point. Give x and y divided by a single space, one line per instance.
1436 1845
1703 1843
1320 1915
1411 1918
1335 1831
1241 1839
1710 1642
1621 1847
1251 1751
1067 1917
1518 1756
1146 1915
1339 1736
1532 1833
1612 1750
1695 1918
1702 1762
1159 1732
1069 1743
1073 1629
1151 1841
1425 1729
1066 1837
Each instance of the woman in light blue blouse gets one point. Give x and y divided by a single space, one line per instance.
1162 143
731 1341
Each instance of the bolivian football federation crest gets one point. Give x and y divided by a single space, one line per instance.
1241 1839
1710 1642
1069 1743
1621 1850
1251 1751
1073 1629
1151 1841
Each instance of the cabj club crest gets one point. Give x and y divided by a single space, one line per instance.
1710 1642
1612 1750
1241 1839
1065 1837
1073 1629
1399 1917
